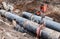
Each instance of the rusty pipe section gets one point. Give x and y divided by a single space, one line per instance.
45 33
49 23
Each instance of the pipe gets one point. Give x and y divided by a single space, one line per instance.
46 33
49 23
46 17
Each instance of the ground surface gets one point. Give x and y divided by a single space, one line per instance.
7 31
7 28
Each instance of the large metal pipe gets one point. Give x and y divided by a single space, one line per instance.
46 33
49 23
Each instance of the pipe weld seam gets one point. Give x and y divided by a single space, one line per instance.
38 30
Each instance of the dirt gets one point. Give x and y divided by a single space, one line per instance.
7 28
7 31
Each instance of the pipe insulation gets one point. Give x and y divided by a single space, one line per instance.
46 33
49 23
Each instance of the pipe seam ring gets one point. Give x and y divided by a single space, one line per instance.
38 30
